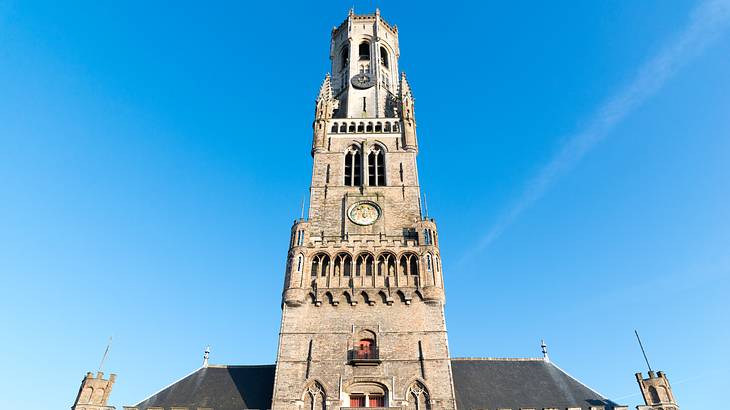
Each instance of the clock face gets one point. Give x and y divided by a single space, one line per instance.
362 81
364 213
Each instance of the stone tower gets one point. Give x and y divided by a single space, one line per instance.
656 391
363 304
94 392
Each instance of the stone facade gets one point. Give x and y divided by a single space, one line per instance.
94 392
656 391
363 305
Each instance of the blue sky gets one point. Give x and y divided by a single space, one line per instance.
153 155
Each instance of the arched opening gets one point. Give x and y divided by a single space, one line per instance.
418 397
386 264
334 127
353 173
384 57
654 395
343 264
351 128
367 395
376 166
315 397
364 265
428 262
364 50
344 57
343 127
409 264
320 265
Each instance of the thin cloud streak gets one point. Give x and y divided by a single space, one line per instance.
708 21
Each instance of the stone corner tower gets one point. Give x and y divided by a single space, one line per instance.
94 392
363 303
656 391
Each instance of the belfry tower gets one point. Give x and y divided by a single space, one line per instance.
363 304
656 391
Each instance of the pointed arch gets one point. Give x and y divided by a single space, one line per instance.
384 59
417 397
386 264
376 165
353 166
315 397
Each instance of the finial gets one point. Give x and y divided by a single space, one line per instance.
545 356
103 358
425 205
206 355
302 214
641 345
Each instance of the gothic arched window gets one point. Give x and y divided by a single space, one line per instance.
364 50
386 264
384 57
364 265
353 167
343 264
376 167
320 265
344 58
315 397
418 397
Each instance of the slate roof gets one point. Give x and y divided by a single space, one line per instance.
479 384
519 383
220 388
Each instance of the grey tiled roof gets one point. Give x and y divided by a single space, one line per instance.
519 383
479 384
220 388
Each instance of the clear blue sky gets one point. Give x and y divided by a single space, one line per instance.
153 155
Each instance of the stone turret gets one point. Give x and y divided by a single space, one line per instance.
94 392
656 391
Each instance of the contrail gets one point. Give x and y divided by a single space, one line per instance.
707 22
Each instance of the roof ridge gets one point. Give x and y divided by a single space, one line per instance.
229 366
503 359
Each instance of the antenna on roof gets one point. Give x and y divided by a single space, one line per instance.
206 355
543 346
641 345
103 358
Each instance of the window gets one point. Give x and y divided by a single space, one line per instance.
376 167
353 173
368 394
377 400
299 263
384 57
320 265
343 264
357 400
344 58
386 264
418 398
315 398
364 265
428 262
364 50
